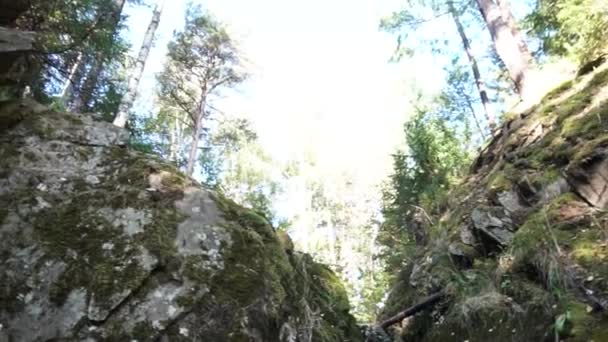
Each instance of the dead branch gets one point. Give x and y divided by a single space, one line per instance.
425 303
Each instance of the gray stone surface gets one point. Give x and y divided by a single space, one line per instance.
101 243
494 223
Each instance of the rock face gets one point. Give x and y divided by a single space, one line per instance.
102 243
522 250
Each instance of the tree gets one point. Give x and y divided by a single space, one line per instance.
67 33
411 21
202 60
508 43
479 83
127 102
422 176
111 17
576 29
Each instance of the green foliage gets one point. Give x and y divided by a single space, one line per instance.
202 59
77 41
423 174
571 28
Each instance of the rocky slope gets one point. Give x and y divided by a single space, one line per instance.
522 248
99 242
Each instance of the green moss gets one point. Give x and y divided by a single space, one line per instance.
588 126
589 147
329 295
74 119
173 180
243 279
71 230
575 104
499 182
245 217
581 324
10 115
488 316
599 79
77 228
9 156
559 90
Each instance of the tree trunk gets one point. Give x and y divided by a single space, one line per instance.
75 72
483 93
196 137
508 47
425 303
470 105
505 10
88 88
85 94
127 101
173 140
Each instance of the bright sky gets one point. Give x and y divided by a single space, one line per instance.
321 81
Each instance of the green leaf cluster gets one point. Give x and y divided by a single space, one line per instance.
423 173
572 28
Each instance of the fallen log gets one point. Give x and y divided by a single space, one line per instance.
425 303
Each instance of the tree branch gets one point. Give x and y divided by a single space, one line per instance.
425 303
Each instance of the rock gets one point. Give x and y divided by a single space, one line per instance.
376 334
590 180
510 201
286 241
493 225
95 254
554 190
467 236
463 255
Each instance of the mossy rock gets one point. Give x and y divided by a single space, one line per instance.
102 242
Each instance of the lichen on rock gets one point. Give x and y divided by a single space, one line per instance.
103 243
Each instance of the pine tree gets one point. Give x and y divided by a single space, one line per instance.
407 21
202 60
508 43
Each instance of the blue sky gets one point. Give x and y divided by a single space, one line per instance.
321 79
321 82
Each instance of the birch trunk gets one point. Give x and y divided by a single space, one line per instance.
507 45
481 87
68 88
127 101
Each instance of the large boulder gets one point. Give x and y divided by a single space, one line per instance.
100 242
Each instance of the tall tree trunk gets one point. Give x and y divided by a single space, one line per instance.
196 137
85 93
479 128
90 84
508 47
173 140
481 87
127 101
505 10
196 132
75 73
176 139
